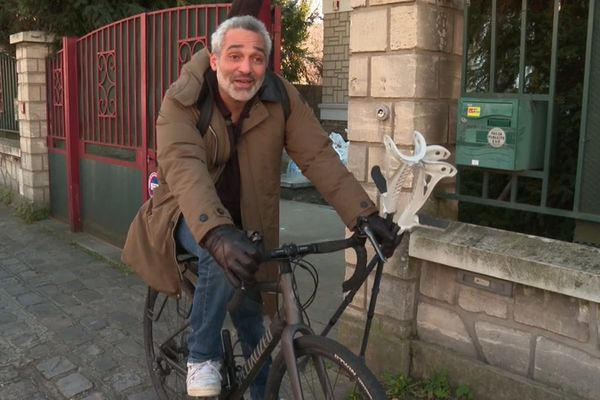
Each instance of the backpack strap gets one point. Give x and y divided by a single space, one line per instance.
282 94
205 104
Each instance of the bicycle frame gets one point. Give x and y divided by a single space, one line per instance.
372 303
427 167
287 322
282 330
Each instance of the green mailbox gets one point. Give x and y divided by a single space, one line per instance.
507 134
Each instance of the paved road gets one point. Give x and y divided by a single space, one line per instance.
70 318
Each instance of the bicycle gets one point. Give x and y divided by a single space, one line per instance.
308 366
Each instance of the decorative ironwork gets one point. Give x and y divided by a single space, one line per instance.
187 47
57 87
107 98
122 72
55 95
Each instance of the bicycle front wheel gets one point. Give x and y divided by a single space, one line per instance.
166 328
327 370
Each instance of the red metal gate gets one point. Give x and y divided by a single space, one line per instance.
104 92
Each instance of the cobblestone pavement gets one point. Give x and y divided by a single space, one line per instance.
70 321
71 316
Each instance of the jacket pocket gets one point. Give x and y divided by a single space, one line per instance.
156 268
161 225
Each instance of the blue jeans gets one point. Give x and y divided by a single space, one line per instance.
213 292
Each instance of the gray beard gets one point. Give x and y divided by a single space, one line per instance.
238 95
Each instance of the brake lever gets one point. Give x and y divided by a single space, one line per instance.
381 185
369 233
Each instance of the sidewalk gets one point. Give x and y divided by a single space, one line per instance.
70 315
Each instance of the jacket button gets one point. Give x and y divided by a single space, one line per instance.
220 211
203 218
364 204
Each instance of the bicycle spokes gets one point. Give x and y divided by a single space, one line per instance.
166 326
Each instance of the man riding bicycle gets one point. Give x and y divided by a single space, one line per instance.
219 180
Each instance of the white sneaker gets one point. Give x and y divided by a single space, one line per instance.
204 379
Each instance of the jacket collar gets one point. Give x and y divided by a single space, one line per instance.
269 90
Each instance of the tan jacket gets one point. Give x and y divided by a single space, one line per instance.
189 163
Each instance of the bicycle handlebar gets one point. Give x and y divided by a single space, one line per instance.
289 251
356 241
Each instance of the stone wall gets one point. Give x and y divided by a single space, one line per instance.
510 315
405 57
10 165
521 308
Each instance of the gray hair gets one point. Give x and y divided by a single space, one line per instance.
246 22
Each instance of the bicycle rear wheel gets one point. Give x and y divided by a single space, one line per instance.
166 328
345 375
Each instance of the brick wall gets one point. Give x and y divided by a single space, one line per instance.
336 36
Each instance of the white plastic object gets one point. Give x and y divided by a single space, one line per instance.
427 168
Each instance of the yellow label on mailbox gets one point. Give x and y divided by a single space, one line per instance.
473 112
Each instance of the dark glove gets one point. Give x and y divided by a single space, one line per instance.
385 232
234 252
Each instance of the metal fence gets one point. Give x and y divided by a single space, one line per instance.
8 93
123 71
542 52
55 96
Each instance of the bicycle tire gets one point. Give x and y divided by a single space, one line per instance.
349 377
166 356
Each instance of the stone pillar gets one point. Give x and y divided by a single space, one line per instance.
405 56
32 48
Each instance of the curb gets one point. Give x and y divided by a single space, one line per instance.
86 241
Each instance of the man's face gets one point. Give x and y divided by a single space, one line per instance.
241 65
